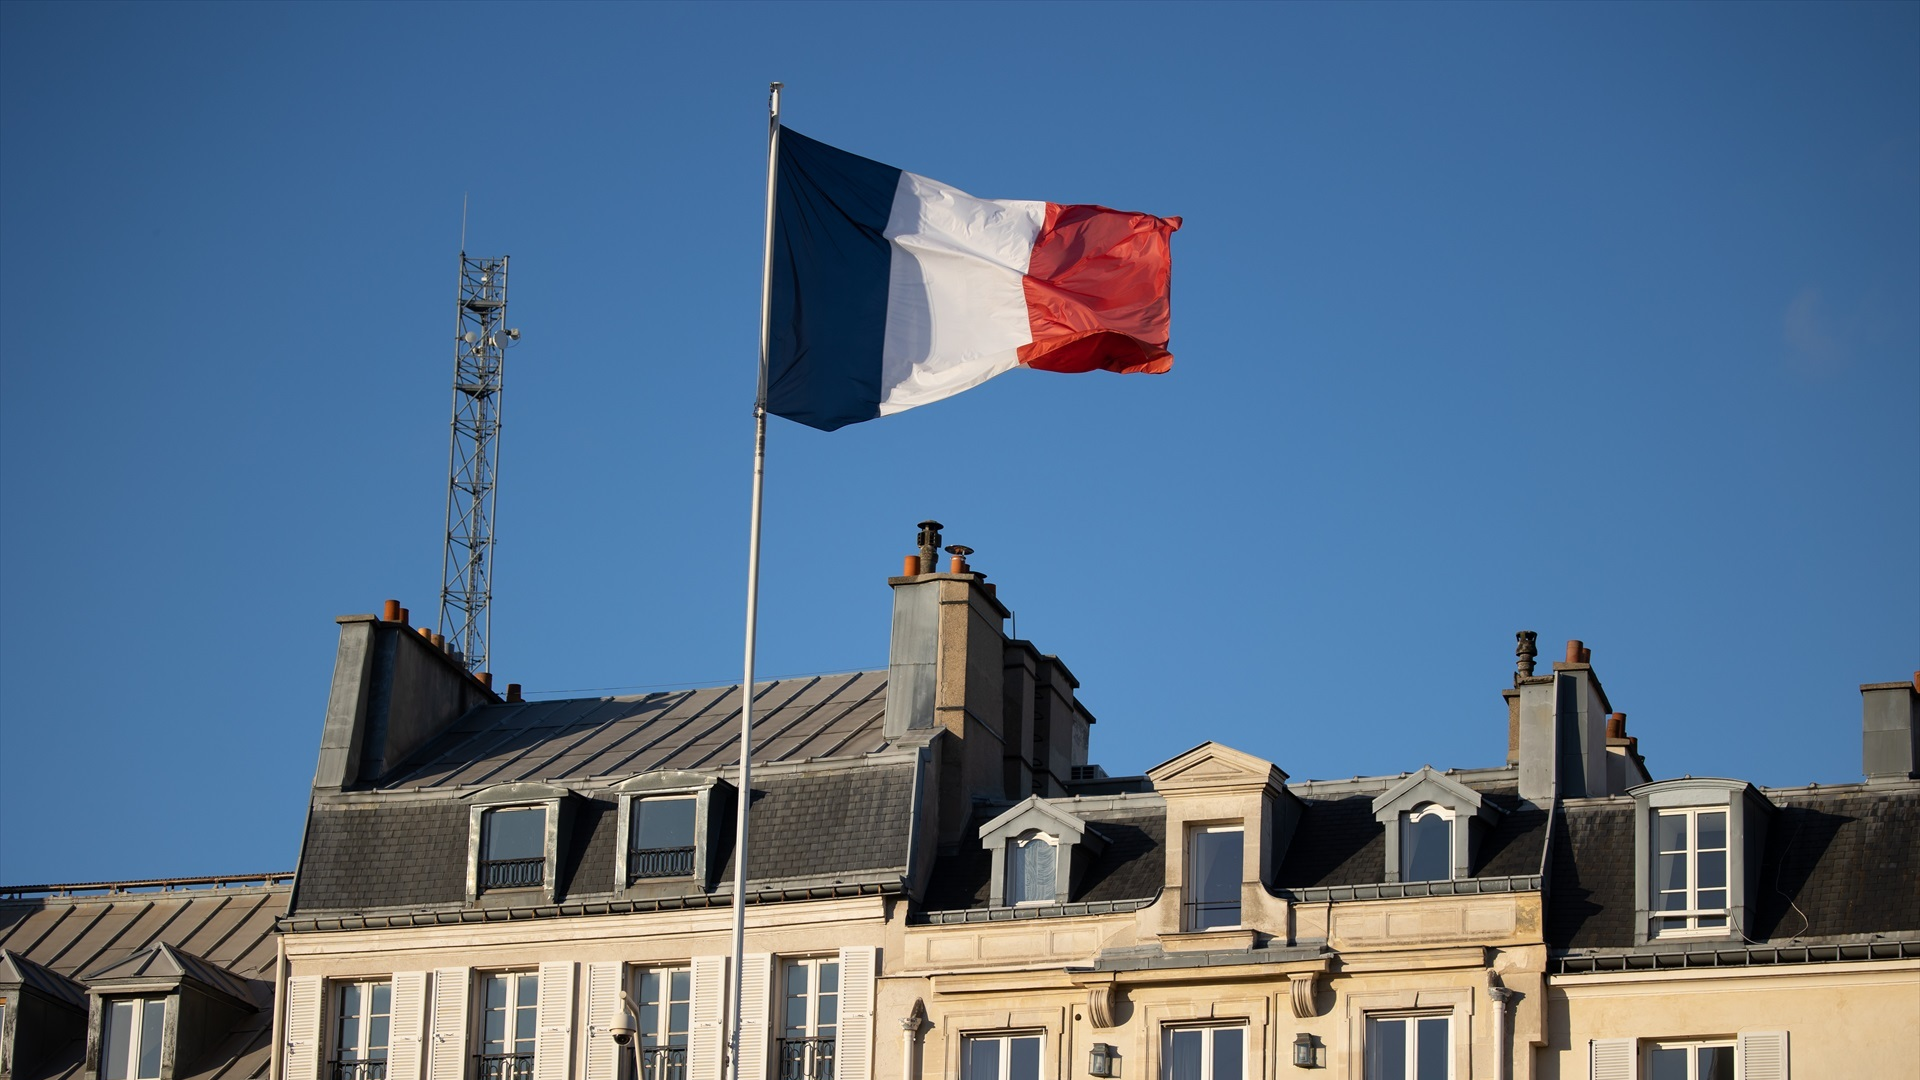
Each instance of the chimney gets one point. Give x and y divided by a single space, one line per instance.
1889 717
1562 731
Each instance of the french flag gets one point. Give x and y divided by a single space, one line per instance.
891 290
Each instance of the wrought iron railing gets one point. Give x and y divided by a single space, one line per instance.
806 1059
356 1069
1207 914
503 1067
512 873
663 1063
660 862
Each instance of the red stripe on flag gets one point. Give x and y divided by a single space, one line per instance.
1097 291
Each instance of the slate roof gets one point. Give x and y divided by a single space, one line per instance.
74 931
1131 867
569 740
1338 843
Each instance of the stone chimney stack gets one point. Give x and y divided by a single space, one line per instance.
1890 716
1559 723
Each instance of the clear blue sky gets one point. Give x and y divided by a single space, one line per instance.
1601 321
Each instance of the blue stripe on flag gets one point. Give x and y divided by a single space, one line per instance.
829 299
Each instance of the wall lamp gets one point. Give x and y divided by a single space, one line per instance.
1102 1061
1306 1052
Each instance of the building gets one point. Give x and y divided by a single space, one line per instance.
941 884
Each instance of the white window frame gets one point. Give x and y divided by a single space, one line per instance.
1005 1040
1016 881
362 1048
656 1040
812 1065
1208 1033
1411 819
506 798
1193 918
1691 1046
635 807
136 1034
478 1043
1411 1018
1692 911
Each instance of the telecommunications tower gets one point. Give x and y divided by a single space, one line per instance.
480 345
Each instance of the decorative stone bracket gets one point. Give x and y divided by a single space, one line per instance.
1102 1002
1304 985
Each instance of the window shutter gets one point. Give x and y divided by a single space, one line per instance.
1614 1059
853 1047
755 1004
553 1023
1762 1055
304 1006
603 1008
708 1037
409 1025
447 1053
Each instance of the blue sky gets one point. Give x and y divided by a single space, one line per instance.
1601 321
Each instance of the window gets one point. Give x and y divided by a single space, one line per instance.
664 998
363 1016
661 841
1689 870
1032 861
509 1007
1690 1061
1409 1048
130 1043
1213 877
1203 1053
513 848
1426 844
810 1011
1000 1057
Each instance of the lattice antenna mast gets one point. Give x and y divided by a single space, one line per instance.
480 345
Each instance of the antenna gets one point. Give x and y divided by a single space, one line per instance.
480 346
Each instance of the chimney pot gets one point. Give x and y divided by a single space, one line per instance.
929 544
426 632
513 692
1617 725
1526 646
403 616
911 567
1586 655
438 641
486 679
390 612
959 553
1573 651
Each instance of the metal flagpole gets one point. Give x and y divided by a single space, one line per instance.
753 603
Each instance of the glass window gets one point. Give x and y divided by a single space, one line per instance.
661 845
1000 1057
1031 859
664 997
130 1044
513 848
1409 1048
1203 1053
1689 885
509 1009
809 1015
363 1015
1213 877
1426 845
1690 1061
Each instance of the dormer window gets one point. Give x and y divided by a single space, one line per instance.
515 834
1697 842
1214 858
1433 826
130 1040
661 838
1032 859
1689 870
1426 843
673 825
513 848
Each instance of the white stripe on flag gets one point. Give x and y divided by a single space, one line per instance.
956 307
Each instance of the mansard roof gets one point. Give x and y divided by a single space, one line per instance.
17 970
161 966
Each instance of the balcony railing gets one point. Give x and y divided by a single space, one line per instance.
1207 914
503 1067
660 862
512 873
806 1059
356 1069
663 1063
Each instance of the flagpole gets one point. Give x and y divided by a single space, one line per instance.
753 602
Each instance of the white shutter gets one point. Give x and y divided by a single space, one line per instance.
853 1045
707 1041
1613 1059
447 1052
553 1023
409 1028
1762 1055
305 1003
603 1008
755 1005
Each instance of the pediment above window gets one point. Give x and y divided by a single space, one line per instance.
1039 853
1433 825
1211 768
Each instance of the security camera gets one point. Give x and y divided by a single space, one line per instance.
622 1031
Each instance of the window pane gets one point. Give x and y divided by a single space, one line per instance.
1386 1050
153 1020
382 998
1667 1064
1713 830
796 1013
1226 1054
529 990
1716 1063
496 991
119 1040
1670 901
829 976
1031 862
1711 869
663 823
1183 1054
1216 878
1713 921
1429 849
516 834
1430 1050
1670 832
1670 871
1713 899
983 1060
1023 1058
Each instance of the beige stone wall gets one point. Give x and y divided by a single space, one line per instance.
1844 1021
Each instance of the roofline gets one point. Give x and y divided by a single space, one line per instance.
454 916
90 889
